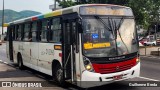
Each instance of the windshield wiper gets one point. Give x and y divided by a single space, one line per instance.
105 25
110 28
117 28
103 22
113 28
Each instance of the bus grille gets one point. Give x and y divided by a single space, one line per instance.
114 67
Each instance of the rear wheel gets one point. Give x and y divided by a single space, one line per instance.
153 44
20 62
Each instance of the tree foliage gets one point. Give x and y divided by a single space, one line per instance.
65 3
145 11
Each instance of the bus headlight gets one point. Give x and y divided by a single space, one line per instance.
137 60
87 64
88 67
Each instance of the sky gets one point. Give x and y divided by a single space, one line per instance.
41 6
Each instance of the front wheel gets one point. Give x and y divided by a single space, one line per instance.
58 75
153 44
145 44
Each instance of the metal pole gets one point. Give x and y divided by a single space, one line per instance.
54 4
2 17
158 51
156 34
145 51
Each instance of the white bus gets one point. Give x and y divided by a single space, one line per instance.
91 42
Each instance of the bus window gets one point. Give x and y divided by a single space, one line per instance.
55 34
22 31
8 32
13 32
19 32
34 31
74 30
44 30
26 31
16 32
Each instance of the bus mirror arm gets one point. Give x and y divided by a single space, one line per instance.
78 30
77 42
79 25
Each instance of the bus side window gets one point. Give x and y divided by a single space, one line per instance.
56 31
26 31
22 32
13 32
8 29
39 28
16 32
44 31
34 31
19 32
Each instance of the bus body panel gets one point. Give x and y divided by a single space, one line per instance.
46 56
26 54
17 48
33 57
38 56
34 54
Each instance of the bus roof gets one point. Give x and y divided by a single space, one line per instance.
59 12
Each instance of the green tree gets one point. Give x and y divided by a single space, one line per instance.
66 3
145 11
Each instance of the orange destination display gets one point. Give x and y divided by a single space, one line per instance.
96 45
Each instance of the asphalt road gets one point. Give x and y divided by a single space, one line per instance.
150 71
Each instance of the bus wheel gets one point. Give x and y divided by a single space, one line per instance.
20 62
153 44
59 74
145 44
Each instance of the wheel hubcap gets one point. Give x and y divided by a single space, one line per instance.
59 74
20 63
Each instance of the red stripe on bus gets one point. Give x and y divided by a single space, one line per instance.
34 18
114 67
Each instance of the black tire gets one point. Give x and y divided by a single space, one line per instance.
145 44
58 75
153 44
20 62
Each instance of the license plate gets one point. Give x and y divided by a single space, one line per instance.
117 77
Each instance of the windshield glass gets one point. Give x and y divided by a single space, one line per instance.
108 36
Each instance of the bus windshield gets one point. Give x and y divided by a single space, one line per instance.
108 36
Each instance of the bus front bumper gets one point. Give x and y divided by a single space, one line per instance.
112 77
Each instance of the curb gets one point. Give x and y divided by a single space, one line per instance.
151 56
9 64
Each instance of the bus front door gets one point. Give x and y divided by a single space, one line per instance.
10 43
69 68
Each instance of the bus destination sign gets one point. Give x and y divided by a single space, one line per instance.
103 10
